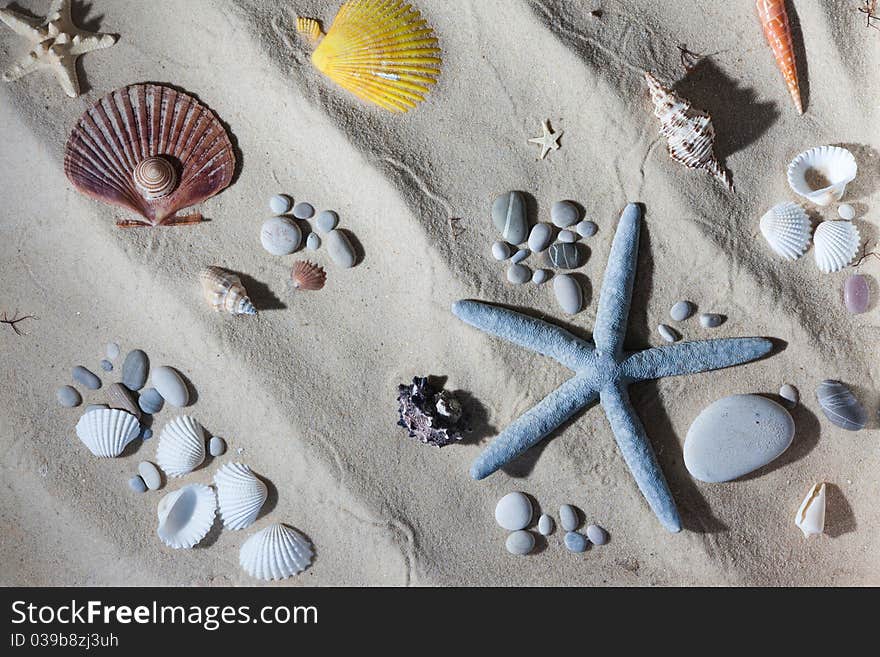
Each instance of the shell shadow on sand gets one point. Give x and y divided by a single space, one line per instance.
260 295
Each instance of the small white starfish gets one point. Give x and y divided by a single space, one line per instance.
57 42
548 141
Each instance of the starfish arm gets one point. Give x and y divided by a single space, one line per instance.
65 73
22 67
639 455
534 334
23 25
614 301
693 357
534 425
82 45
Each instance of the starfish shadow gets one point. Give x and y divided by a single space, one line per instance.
78 12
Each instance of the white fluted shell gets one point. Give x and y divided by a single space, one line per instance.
181 446
186 515
835 245
787 228
829 168
240 494
106 431
276 552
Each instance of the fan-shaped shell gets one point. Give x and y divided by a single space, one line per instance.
106 431
240 494
787 228
308 276
276 552
186 515
188 155
836 244
181 446
382 51
821 174
225 292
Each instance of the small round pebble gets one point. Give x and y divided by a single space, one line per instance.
597 535
86 378
68 396
150 401
568 293
280 204
568 517
313 242
518 274
137 484
564 214
327 220
514 511
681 311
587 228
146 434
545 525
790 394
150 474
501 250
711 320
520 255
303 211
106 365
280 236
216 446
567 236
668 333
576 542
541 276
112 350
846 211
95 407
540 237
520 542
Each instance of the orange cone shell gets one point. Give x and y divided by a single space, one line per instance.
774 21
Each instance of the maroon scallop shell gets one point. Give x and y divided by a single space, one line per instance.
147 120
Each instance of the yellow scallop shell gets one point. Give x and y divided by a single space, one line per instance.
382 51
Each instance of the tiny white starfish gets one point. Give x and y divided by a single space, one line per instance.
57 42
548 141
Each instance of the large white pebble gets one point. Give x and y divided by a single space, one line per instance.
150 474
568 517
568 293
501 250
280 236
168 383
520 542
540 237
514 511
339 248
564 214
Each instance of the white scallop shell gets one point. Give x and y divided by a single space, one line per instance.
836 244
186 515
787 228
810 517
240 494
835 165
181 446
275 552
106 431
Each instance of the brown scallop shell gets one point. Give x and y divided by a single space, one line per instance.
308 276
141 121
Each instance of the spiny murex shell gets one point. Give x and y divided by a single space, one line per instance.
787 228
106 431
181 446
150 149
240 494
836 244
689 133
830 169
186 515
810 517
276 552
225 292
382 51
308 276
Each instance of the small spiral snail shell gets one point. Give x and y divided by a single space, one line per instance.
224 291
155 177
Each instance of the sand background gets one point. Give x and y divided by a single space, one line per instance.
306 390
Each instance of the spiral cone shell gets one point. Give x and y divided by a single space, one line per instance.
225 292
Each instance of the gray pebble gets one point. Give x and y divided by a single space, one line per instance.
520 255
150 401
565 256
280 204
95 407
501 250
840 405
216 446
135 369
520 542
564 214
169 383
327 220
545 525
340 249
303 211
567 236
711 320
146 434
313 242
790 395
86 378
106 365
568 293
150 474
597 535
518 274
568 517
514 511
540 237
668 333
587 228
576 542
280 236
68 396
541 276
137 484
681 311
509 216
112 350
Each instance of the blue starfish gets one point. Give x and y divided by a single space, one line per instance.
603 370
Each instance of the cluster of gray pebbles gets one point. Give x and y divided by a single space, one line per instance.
564 252
683 310
282 234
131 395
514 513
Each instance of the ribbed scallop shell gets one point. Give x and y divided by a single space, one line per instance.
308 276
276 552
106 431
690 136
787 228
186 516
833 168
225 292
835 245
240 494
181 446
382 51
143 121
